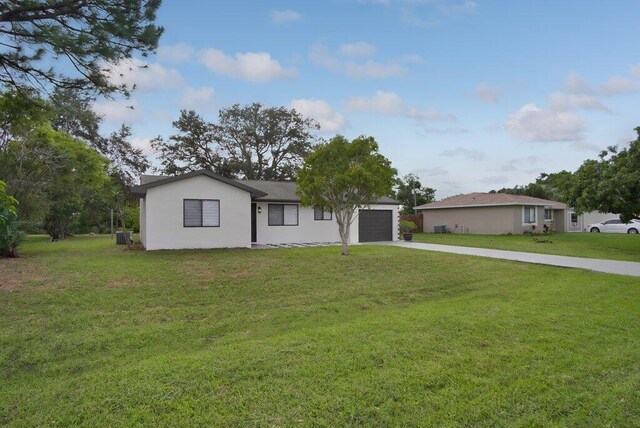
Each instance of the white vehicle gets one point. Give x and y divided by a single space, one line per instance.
614 225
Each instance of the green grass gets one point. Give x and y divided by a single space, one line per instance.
92 334
594 245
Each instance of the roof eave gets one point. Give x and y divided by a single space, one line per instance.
510 204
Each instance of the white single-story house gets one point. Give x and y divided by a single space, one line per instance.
201 209
503 213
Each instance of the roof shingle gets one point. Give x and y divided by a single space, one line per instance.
490 199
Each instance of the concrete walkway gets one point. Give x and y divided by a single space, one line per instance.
597 265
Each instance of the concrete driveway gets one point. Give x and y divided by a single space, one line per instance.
597 265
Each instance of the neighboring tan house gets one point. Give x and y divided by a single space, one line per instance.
204 210
502 213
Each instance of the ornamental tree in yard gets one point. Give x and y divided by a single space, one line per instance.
344 177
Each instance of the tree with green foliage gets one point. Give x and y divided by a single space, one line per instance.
344 177
410 193
547 186
10 233
610 183
69 43
31 162
195 146
252 142
265 143
80 174
73 115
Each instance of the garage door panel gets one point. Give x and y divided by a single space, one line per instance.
375 225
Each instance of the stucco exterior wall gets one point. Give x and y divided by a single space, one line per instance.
560 220
479 220
308 229
596 217
520 226
164 227
143 222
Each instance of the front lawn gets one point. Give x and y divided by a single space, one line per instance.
594 245
92 334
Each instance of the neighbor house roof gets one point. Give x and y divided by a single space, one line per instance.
262 190
150 181
490 199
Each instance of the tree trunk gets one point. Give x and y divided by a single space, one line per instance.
344 229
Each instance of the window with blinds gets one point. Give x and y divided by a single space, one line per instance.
201 213
283 215
528 215
320 213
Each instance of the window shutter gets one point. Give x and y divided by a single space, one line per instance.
192 213
291 215
211 213
276 215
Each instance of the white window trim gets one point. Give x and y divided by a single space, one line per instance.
545 217
535 215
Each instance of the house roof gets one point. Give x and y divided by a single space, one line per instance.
285 191
262 190
150 181
490 199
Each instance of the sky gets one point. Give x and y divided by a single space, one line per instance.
469 95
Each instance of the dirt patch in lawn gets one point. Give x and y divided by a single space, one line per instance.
20 273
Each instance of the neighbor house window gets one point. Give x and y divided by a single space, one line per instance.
321 213
283 215
574 219
548 214
529 215
201 212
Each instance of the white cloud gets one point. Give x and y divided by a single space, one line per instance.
257 67
322 56
118 111
358 50
143 144
469 154
146 77
330 121
390 104
577 85
619 85
488 93
385 103
635 69
563 101
532 123
198 98
180 52
285 16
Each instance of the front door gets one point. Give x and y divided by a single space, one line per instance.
254 229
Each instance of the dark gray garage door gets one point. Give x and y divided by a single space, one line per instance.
375 225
